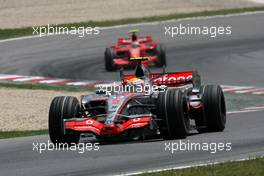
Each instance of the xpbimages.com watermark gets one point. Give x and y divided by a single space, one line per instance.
212 31
58 30
211 147
115 87
42 147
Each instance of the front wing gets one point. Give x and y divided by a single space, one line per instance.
85 125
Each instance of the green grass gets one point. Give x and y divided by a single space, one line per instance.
254 167
15 85
12 134
10 33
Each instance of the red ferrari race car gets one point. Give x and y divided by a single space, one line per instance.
133 47
168 105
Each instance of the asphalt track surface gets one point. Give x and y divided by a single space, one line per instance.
237 59
245 132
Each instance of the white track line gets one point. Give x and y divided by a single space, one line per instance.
249 90
237 88
78 83
248 109
256 108
244 111
7 77
258 93
243 89
83 83
53 81
149 23
33 78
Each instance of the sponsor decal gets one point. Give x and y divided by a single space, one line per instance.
136 119
173 78
89 122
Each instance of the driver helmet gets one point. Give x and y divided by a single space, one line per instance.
135 44
135 84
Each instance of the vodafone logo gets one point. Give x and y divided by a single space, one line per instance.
136 119
172 79
89 122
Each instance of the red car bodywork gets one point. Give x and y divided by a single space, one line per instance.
88 124
125 50
100 129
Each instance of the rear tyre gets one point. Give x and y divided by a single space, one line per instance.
172 112
62 108
214 108
161 53
109 59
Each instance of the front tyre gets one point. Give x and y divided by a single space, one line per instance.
161 53
109 57
172 114
62 108
214 108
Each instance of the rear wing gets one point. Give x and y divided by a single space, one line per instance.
138 58
126 41
171 79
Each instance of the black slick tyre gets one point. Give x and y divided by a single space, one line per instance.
214 108
109 58
172 112
161 53
61 108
